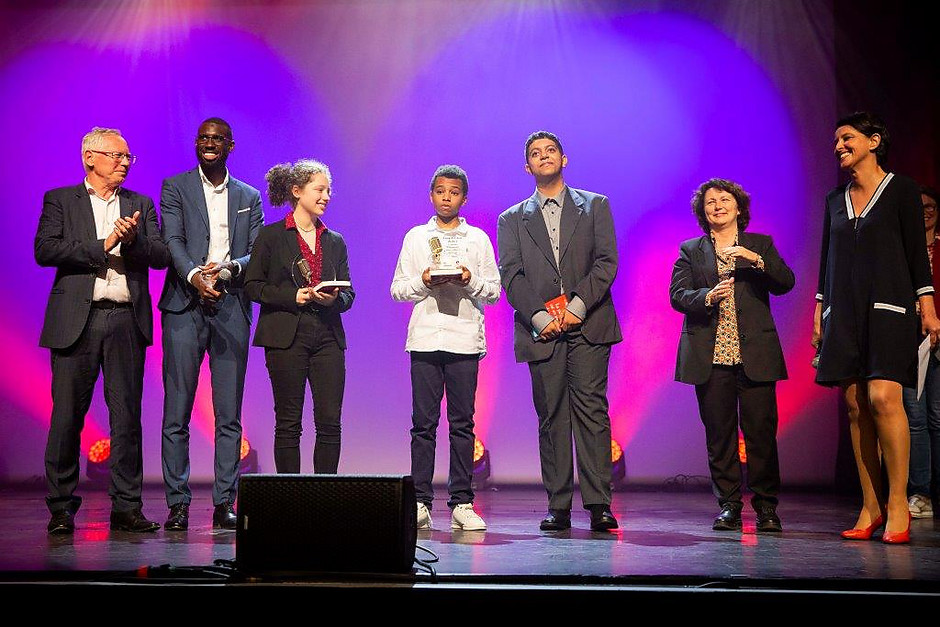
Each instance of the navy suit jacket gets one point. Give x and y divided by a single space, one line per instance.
694 274
68 240
186 233
588 264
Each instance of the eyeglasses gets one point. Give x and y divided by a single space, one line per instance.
213 139
930 208
118 156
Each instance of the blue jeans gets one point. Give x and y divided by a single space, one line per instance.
924 418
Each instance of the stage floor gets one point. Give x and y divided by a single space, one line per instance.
664 535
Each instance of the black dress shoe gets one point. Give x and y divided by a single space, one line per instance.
61 523
133 521
223 517
602 519
728 519
556 520
767 519
178 520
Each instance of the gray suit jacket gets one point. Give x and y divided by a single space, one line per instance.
588 264
186 233
68 241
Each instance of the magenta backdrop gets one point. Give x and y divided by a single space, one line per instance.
649 101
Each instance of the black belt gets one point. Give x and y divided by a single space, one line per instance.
108 304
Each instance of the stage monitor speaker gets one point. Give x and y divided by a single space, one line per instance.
305 524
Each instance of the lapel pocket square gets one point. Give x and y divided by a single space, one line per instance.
244 210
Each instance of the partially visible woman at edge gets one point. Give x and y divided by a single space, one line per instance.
923 414
872 268
300 328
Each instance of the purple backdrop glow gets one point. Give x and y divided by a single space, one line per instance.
648 103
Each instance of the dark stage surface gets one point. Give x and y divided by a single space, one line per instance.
664 535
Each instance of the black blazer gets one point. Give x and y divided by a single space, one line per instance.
68 241
694 274
269 281
588 260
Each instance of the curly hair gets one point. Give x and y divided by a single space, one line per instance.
740 196
284 176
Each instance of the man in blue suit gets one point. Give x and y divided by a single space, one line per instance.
210 221
558 247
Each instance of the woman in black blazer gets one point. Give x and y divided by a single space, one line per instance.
729 347
300 328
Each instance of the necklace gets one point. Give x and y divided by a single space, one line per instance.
313 226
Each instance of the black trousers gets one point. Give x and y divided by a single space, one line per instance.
431 374
726 397
111 344
315 357
570 394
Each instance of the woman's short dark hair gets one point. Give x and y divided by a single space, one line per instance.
740 196
926 190
869 124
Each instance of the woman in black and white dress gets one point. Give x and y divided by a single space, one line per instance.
872 269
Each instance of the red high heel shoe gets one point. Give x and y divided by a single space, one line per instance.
898 537
864 533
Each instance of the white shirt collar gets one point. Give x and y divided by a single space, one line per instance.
92 192
461 228
207 183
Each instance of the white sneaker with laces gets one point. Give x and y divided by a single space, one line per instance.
424 516
463 517
920 506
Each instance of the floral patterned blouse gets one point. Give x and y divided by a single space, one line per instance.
727 344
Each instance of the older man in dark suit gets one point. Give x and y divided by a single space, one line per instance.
210 221
558 248
102 239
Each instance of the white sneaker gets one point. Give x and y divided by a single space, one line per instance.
920 506
424 516
465 518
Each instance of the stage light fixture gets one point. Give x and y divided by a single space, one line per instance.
97 468
742 450
481 466
248 458
618 468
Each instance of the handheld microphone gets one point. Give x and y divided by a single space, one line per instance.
223 280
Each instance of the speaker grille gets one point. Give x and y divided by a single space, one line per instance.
325 523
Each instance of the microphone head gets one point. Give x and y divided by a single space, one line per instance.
305 270
225 274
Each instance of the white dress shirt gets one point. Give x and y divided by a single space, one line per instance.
217 206
447 317
110 282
